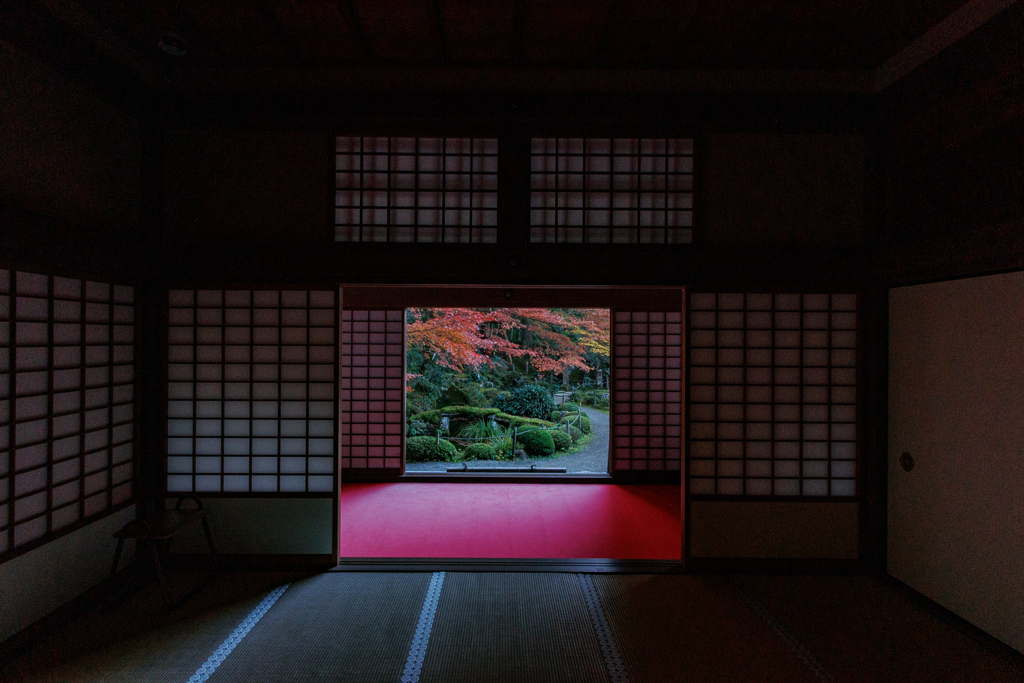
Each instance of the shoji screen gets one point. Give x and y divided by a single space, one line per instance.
251 391
773 394
621 190
416 189
66 403
372 388
647 391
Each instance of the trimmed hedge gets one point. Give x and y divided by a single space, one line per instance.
479 451
585 424
575 434
422 448
537 442
562 440
433 417
528 400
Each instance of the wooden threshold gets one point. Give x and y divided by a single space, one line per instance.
584 566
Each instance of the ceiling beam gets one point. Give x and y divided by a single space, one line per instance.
348 8
671 47
462 79
286 41
941 36
521 19
442 40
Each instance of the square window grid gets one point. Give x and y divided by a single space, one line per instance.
647 372
416 190
620 190
372 389
251 391
66 402
773 394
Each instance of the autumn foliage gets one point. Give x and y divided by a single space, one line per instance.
542 339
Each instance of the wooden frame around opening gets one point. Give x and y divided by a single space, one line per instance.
385 297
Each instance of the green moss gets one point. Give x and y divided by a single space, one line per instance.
537 442
479 451
562 440
427 448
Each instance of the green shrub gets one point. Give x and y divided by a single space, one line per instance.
527 400
575 434
424 448
502 448
562 440
521 422
479 451
582 422
585 424
537 442
418 428
481 429
433 417
569 407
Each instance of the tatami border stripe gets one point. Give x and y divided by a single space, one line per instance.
795 645
616 669
418 649
220 654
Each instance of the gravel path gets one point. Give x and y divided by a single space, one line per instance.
593 458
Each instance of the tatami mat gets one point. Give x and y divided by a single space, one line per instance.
693 628
164 655
513 628
864 631
338 626
522 628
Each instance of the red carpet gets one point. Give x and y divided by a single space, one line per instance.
511 521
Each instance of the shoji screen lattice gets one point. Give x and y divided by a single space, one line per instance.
416 190
66 403
372 389
611 190
251 391
647 391
773 389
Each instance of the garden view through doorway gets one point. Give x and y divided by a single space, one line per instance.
507 390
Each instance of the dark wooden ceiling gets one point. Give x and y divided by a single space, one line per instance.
672 34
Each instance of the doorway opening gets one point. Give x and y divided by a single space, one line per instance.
629 509
507 390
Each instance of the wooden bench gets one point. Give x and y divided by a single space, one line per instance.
161 528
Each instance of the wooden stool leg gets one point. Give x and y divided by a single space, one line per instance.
117 555
209 539
155 553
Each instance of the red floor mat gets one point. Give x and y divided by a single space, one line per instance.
511 521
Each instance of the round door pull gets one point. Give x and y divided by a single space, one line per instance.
907 462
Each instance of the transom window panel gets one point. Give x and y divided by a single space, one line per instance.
647 371
251 391
773 394
416 189
372 389
66 403
620 190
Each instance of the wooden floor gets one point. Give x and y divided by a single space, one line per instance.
490 626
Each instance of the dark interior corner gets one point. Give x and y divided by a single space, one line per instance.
808 232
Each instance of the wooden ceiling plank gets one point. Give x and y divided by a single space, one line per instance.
348 9
522 15
442 40
670 48
293 48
